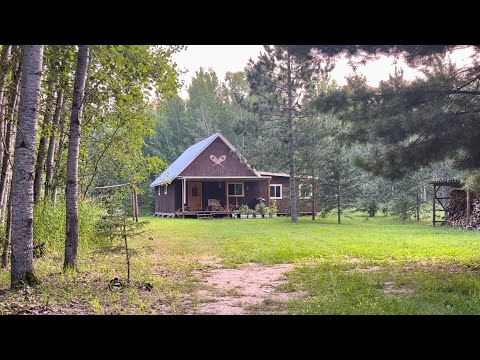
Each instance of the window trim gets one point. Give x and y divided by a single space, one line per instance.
160 189
281 191
239 183
310 193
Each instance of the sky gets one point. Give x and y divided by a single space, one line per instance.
224 58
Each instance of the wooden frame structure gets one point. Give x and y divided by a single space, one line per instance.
437 184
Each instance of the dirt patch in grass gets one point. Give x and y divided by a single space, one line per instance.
232 291
451 268
390 288
365 269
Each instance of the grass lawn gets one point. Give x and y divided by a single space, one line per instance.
363 266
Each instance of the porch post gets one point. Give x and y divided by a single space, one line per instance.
226 195
183 194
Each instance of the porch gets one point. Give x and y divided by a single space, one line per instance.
219 196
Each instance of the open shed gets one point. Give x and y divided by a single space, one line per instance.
437 185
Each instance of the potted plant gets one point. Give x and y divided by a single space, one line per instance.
244 210
266 212
235 214
249 213
273 209
258 214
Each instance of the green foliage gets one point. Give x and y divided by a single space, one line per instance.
245 210
114 225
117 117
406 121
472 182
273 207
403 206
49 223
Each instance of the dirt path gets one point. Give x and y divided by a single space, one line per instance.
232 291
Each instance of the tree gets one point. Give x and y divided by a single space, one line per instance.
338 184
71 190
416 122
4 63
42 146
52 146
9 138
23 167
279 81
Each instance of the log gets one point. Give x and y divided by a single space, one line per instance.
458 213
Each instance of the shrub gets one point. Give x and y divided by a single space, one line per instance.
49 223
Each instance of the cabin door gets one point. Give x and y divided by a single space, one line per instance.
194 196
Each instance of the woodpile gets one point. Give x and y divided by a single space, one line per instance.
457 210
475 214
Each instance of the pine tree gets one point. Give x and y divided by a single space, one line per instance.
279 83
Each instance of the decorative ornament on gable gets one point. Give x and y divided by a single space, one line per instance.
217 161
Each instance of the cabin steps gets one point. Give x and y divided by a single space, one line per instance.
204 216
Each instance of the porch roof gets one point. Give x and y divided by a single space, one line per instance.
213 178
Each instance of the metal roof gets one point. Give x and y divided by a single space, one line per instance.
267 173
188 156
447 182
183 161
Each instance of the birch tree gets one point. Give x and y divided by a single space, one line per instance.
71 190
22 270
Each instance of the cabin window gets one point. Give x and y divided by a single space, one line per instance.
275 191
305 191
235 190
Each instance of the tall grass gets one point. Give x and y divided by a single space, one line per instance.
49 223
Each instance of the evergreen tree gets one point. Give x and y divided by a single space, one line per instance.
279 82
416 122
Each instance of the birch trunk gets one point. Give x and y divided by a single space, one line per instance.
71 189
50 165
11 131
23 167
58 157
4 60
42 147
8 240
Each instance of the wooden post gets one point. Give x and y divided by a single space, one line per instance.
434 196
226 195
183 195
468 207
136 204
133 206
313 194
418 207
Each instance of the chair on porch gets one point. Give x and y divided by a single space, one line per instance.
214 205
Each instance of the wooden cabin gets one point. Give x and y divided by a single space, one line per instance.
212 177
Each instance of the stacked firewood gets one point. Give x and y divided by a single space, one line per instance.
475 214
457 210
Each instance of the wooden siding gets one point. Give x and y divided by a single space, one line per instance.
283 204
165 203
204 166
178 195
